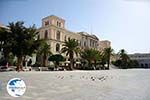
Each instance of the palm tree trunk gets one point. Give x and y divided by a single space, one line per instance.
108 62
71 61
44 60
19 63
95 65
89 63
108 65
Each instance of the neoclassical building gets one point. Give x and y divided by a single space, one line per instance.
54 31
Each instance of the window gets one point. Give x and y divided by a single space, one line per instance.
57 47
58 24
69 38
84 43
65 38
80 43
58 35
146 65
142 65
46 34
46 23
90 42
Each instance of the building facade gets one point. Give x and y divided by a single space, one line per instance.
54 31
88 41
104 44
142 58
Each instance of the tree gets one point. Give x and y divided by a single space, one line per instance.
124 61
22 41
91 55
133 64
71 47
124 58
117 63
44 50
56 59
5 44
103 60
108 52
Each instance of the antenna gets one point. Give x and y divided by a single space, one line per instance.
91 29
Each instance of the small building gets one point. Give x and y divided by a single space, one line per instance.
104 44
142 58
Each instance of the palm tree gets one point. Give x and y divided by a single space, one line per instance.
44 50
70 47
108 52
124 58
91 55
103 60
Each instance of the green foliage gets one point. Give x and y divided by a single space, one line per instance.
36 65
56 59
24 42
71 47
44 51
123 65
19 40
5 42
107 53
124 61
103 60
91 55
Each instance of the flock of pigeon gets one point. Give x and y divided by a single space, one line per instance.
86 77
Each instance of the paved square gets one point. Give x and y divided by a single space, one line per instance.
133 84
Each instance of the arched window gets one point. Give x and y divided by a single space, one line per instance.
146 65
57 47
46 34
58 35
142 65
84 43
68 38
65 37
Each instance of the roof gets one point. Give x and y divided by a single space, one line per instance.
86 34
53 16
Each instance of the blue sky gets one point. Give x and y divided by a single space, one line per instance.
126 23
